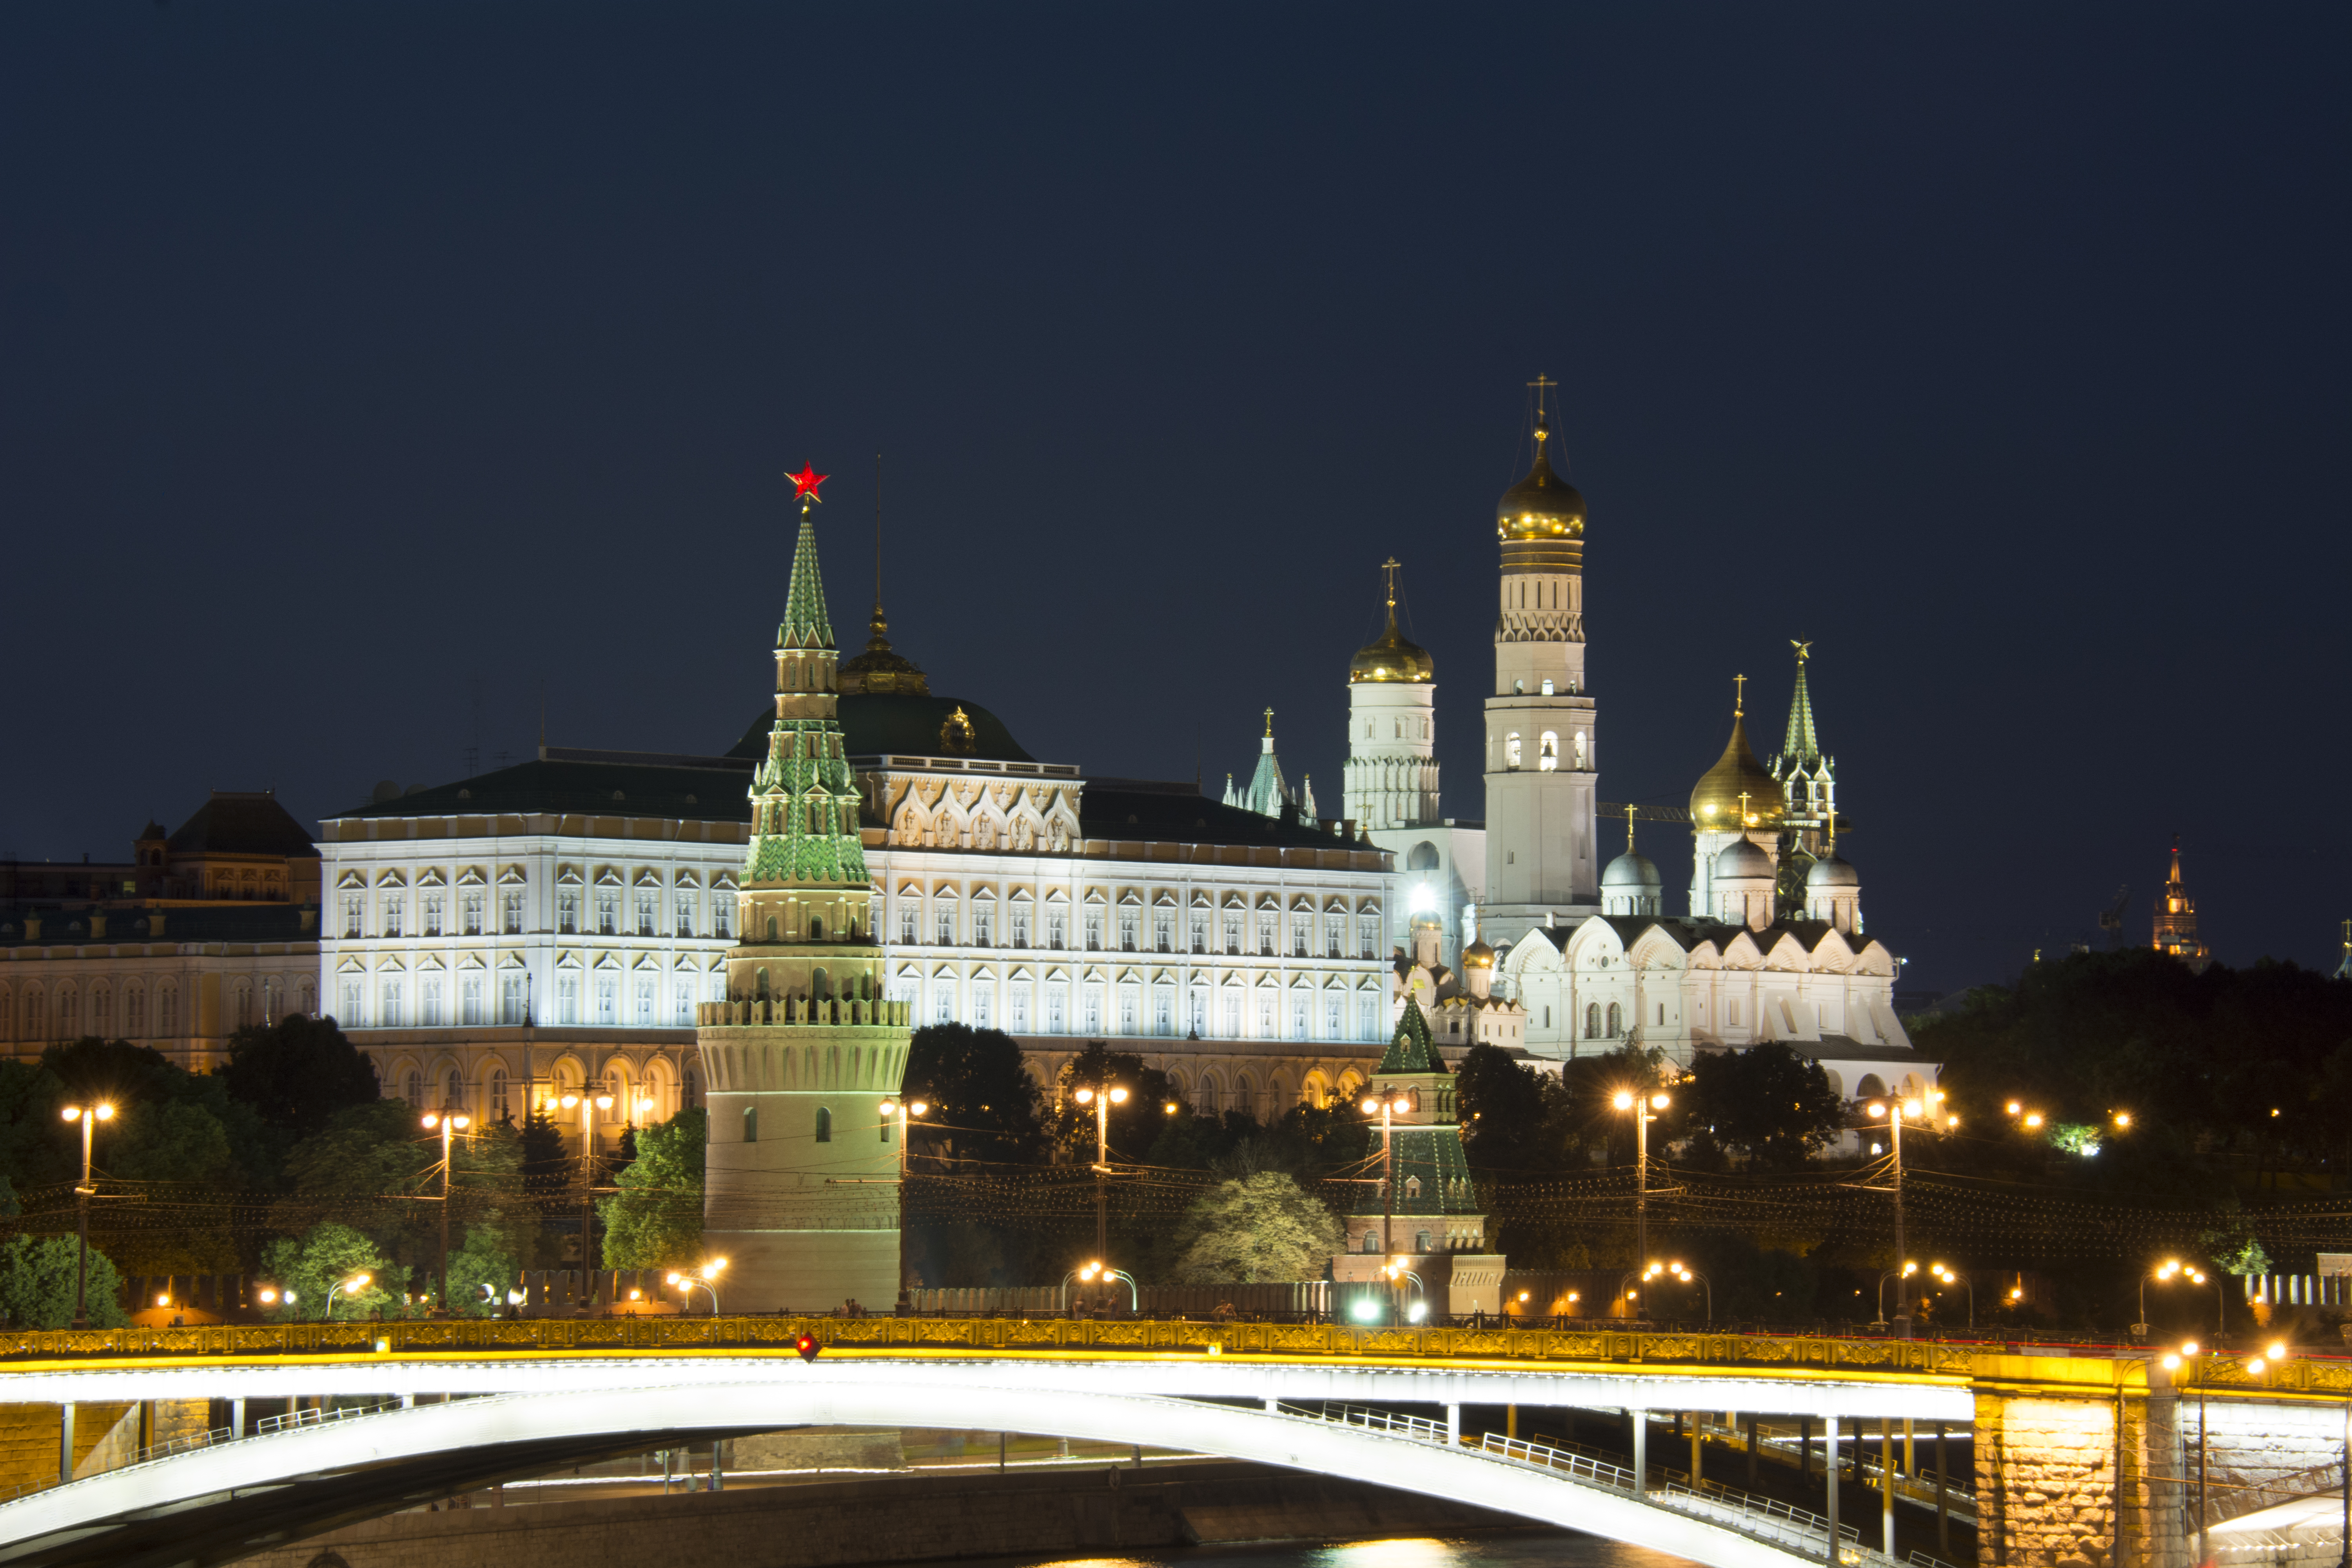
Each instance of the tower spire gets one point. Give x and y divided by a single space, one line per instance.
880 670
1800 744
1738 697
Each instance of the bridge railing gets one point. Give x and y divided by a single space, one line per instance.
294 1420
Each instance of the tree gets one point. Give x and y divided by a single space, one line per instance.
1135 1125
482 1269
34 1151
1261 1227
170 1141
654 1220
1766 1104
983 1104
297 1073
38 1277
1503 1109
326 1255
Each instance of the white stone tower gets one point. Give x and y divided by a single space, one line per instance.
801 1172
1542 751
1391 779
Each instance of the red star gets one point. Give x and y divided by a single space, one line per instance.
806 482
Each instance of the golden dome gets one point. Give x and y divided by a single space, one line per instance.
1543 505
1478 955
1390 658
1716 805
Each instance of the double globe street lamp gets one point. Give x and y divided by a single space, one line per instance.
89 1116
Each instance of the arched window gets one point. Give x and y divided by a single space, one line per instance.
1421 1241
1579 751
1548 752
455 1088
1593 1020
816 928
416 1090
1511 750
824 1125
772 927
1616 1020
497 1106
1372 1241
691 1095
751 1123
762 995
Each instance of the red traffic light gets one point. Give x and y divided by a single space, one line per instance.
808 1347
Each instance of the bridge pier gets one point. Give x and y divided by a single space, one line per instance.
65 1441
1830 1444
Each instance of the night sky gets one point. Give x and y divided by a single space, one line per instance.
370 371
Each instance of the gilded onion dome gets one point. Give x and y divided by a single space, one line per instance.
1390 658
1736 793
1543 505
1478 955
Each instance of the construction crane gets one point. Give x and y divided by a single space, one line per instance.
2111 919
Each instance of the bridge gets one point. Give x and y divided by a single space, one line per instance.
2077 1459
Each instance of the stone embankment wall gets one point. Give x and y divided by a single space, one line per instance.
895 1518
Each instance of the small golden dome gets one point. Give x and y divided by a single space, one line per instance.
1390 658
1478 955
1543 505
1717 803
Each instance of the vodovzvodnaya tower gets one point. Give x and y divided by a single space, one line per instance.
802 1194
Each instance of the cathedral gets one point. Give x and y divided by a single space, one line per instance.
1516 931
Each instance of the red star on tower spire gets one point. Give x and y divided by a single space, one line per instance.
806 482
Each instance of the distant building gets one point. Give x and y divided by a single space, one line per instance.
2176 919
202 932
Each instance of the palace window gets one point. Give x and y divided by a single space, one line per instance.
645 914
513 913
947 925
498 1100
608 910
685 1002
608 1000
390 1017
1200 931
567 999
1298 1019
1232 1016
1019 1009
1094 930
1331 1018
984 925
1127 1009
981 995
392 912
1163 927
722 914
686 914
428 1002
1298 936
432 914
1334 928
1163 1011
1233 934
354 905
645 1004
1054 1020
943 1002
514 997
1126 930
1093 1014
1368 927
1368 1019
1055 933
472 905
567 913
1265 936
906 926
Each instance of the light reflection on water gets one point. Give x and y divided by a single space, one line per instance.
1535 1548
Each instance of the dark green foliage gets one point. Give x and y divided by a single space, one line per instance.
1767 1104
37 1281
1135 1125
654 1220
298 1072
983 1105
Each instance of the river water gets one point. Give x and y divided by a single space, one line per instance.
1533 1549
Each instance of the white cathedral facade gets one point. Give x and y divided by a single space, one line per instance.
1585 956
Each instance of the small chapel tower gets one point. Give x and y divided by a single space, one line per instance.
1430 1224
1392 778
801 1169
1542 747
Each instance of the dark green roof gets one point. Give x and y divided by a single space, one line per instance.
1435 1155
568 786
1410 1047
211 923
234 822
1178 812
873 723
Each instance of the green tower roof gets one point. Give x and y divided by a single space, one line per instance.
1412 1050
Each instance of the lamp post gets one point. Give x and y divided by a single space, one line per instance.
1644 1108
1097 1269
589 1104
1948 1278
89 1116
902 1109
704 1279
449 1122
1419 1309
1896 1112
1907 1269
2165 1273
357 1282
1686 1276
1102 1099
1387 1107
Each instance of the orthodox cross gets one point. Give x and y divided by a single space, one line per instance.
1740 695
1629 829
1390 568
1743 808
1269 723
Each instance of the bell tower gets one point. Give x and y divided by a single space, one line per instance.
801 1170
1542 746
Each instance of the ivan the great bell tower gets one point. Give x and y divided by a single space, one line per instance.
1542 756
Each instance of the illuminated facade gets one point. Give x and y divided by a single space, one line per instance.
2176 919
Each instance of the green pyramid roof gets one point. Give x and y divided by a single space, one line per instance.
805 624
1411 1049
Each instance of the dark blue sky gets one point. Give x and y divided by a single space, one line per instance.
360 359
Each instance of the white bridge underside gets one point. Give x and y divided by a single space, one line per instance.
214 1503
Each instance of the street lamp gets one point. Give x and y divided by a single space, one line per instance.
1896 1112
1948 1278
2187 1355
450 1123
1090 1272
2171 1269
1102 1099
1686 1276
89 1117
688 1283
1419 1309
1907 1269
589 1104
1644 1110
1388 1109
357 1282
902 1109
